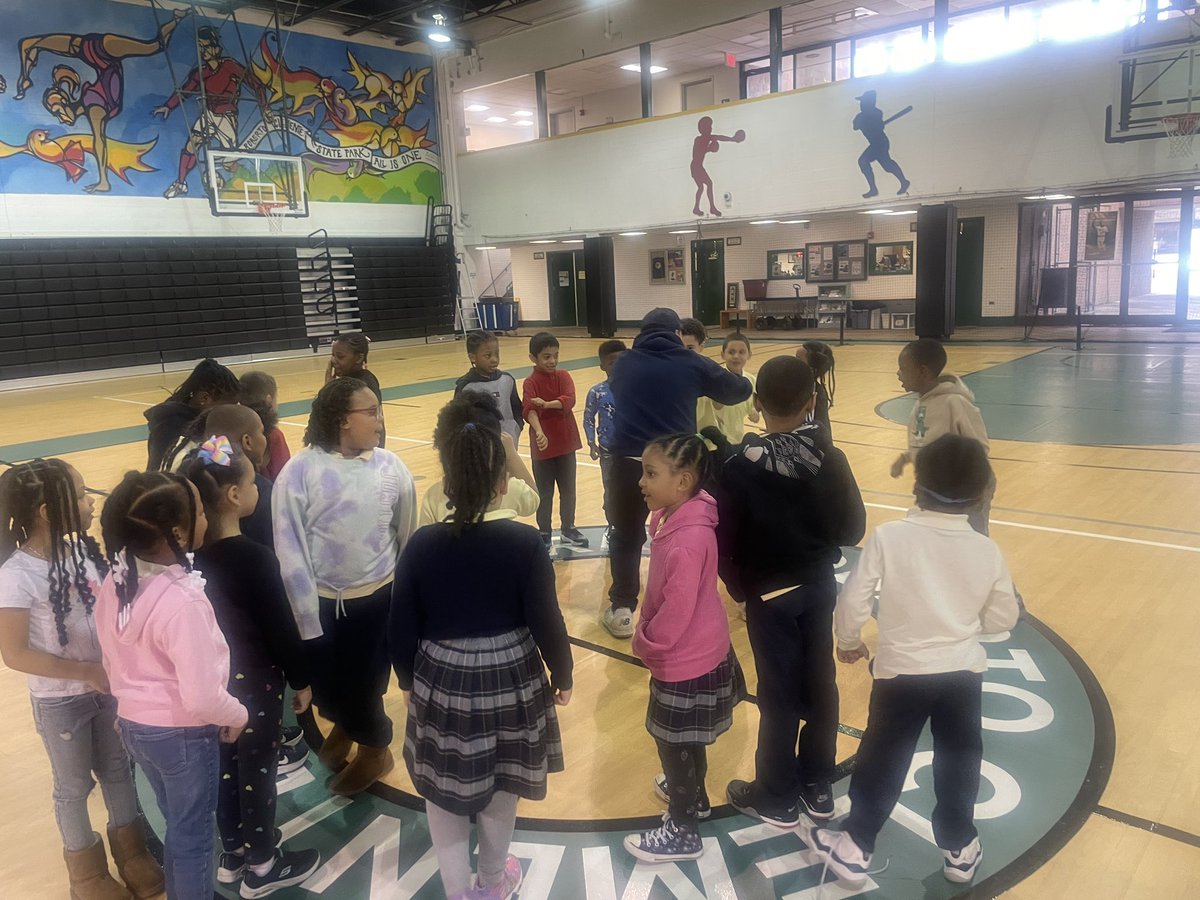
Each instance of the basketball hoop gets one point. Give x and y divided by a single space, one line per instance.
1180 130
274 214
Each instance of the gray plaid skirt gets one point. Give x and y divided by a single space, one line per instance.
698 710
482 720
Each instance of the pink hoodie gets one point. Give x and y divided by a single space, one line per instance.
683 632
169 665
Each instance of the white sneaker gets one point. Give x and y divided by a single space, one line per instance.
618 622
174 189
960 865
837 848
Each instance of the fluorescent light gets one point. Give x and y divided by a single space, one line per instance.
485 248
543 242
902 212
1051 197
496 119
631 233
478 107
636 67
523 122
876 212
765 222
794 222
572 241
522 114
684 231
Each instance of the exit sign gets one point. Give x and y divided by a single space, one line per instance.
731 60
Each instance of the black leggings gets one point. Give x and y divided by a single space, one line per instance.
246 801
558 470
685 766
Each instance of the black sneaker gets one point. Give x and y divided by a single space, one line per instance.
703 808
230 867
291 735
817 800
574 537
547 540
741 796
290 868
291 758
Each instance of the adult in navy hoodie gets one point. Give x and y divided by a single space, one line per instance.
655 387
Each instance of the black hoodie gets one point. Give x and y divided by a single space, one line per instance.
168 421
788 503
655 387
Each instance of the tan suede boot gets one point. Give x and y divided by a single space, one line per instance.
371 764
336 748
90 878
137 868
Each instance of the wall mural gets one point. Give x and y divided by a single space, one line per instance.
871 123
704 144
113 97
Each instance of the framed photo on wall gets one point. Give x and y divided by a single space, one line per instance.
785 265
836 261
890 259
676 265
1101 237
658 266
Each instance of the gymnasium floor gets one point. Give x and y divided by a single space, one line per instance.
1093 789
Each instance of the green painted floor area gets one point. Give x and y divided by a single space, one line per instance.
1132 396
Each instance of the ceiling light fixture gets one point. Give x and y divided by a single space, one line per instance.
876 212
636 67
438 33
794 222
485 248
478 107
572 241
631 233
522 114
765 222
523 122
1051 197
543 242
496 119
902 212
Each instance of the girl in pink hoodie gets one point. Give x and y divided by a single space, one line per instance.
167 664
683 637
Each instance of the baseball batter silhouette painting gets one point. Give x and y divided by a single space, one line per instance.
871 123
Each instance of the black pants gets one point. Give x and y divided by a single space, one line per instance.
900 706
685 766
547 473
626 510
350 667
246 801
792 640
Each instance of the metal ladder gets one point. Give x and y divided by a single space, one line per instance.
440 233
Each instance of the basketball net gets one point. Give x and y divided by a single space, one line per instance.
274 214
1180 129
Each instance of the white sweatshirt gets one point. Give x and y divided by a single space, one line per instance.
940 584
948 408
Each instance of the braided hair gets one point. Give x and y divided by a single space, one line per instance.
210 478
472 463
329 410
24 490
195 432
142 510
210 377
686 451
359 344
820 357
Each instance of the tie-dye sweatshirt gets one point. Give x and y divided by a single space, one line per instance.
340 525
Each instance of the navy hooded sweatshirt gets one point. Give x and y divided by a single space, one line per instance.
655 387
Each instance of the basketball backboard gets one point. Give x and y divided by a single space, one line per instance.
240 182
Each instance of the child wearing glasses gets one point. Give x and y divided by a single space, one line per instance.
343 509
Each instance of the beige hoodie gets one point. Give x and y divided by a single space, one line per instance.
949 408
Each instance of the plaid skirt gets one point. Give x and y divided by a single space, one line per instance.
481 720
698 710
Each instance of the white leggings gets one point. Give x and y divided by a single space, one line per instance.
451 842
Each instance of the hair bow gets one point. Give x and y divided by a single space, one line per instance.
216 450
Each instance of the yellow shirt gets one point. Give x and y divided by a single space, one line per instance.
732 419
520 499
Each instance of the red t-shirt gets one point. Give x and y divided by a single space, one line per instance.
277 450
559 424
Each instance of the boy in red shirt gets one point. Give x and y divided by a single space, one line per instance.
548 396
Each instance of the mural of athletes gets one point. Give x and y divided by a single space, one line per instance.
870 122
705 143
128 98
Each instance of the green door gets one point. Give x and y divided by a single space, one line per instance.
968 273
564 271
708 280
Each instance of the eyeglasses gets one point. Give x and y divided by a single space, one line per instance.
372 411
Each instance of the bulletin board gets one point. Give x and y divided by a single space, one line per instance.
830 261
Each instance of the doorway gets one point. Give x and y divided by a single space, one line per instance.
568 296
708 280
968 273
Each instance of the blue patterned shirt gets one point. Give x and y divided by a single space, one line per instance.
599 406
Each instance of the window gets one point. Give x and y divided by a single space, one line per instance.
500 114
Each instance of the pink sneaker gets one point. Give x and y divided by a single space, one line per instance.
509 884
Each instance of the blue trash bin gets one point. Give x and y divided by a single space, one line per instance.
497 314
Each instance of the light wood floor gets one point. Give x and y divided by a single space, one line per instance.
1128 609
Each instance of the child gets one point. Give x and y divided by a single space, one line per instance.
485 377
819 357
473 605
944 406
735 353
598 417
348 359
788 503
251 607
941 585
168 664
683 637
48 584
694 335
520 495
343 510
260 393
549 397
209 384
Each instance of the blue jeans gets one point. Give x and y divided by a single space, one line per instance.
182 766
